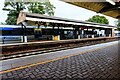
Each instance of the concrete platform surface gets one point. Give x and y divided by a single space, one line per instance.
98 62
17 62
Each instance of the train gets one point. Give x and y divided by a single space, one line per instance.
13 33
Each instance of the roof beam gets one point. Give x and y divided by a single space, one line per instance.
118 16
109 8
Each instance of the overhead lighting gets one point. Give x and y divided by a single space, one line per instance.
111 2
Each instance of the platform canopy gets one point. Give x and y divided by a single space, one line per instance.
107 7
33 19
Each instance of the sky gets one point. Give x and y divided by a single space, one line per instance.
64 10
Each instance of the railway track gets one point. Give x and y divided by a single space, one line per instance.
51 49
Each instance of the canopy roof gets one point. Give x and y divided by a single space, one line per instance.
99 6
32 18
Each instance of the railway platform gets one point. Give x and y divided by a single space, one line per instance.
23 48
99 62
59 41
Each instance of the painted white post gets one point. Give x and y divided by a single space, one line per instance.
78 36
113 34
82 33
92 36
21 38
52 37
87 36
25 37
58 37
109 35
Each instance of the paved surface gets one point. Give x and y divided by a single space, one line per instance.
17 62
102 64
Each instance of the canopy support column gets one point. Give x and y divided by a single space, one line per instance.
82 36
87 33
78 32
93 36
56 34
24 37
113 32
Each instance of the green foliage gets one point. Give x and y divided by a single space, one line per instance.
118 26
14 8
41 8
35 7
98 19
1 23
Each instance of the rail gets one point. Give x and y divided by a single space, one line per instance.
16 51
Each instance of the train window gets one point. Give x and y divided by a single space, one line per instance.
16 32
47 31
65 32
6 32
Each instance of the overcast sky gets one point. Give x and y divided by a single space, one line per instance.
64 10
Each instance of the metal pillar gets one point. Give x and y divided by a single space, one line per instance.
82 36
113 34
24 37
87 32
92 36
93 33
58 35
108 33
53 32
79 36
78 33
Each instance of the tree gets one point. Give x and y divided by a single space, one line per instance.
37 7
41 8
1 23
14 8
98 19
118 25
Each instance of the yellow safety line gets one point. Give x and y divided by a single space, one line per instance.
30 65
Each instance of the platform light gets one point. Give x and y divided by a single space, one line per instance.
111 2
